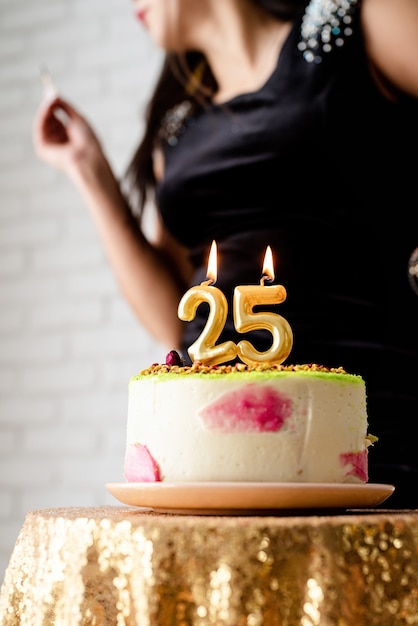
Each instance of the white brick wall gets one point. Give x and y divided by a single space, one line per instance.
68 341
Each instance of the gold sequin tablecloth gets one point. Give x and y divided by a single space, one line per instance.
121 566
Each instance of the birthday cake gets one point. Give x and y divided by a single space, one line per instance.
264 423
254 421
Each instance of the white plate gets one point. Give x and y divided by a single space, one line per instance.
236 498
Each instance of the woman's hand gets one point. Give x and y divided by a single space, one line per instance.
64 139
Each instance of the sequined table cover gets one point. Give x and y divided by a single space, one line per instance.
121 566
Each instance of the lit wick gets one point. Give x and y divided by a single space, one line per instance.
212 271
268 271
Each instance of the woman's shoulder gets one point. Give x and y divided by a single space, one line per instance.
386 30
391 42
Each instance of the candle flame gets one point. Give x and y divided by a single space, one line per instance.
212 272
268 268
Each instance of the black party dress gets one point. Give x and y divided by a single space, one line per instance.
321 167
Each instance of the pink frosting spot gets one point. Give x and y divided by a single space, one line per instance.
140 466
257 409
357 464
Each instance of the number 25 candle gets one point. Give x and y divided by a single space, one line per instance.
204 348
246 297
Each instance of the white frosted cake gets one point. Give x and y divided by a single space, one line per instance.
272 423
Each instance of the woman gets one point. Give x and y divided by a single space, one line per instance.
290 124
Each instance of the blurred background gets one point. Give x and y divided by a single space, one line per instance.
68 341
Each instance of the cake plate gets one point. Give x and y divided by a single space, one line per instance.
226 498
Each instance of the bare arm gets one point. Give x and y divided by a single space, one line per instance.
152 276
391 34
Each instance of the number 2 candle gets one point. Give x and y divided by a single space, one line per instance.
204 348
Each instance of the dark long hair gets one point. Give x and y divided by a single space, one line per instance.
182 77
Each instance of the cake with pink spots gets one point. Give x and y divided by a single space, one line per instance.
269 423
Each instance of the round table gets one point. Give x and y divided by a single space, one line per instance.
124 566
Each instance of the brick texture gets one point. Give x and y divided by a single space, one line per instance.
68 341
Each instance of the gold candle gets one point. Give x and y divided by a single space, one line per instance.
246 297
204 349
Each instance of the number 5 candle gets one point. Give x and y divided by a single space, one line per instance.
246 297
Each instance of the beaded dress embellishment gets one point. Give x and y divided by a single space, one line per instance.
325 25
174 122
